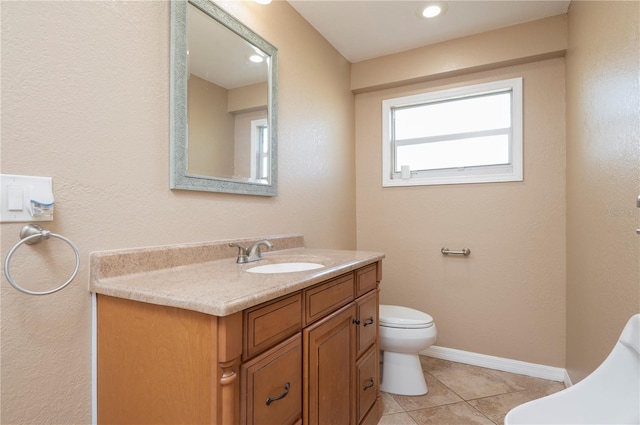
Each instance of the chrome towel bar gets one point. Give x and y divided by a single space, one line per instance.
447 251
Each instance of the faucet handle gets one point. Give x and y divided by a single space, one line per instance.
241 250
254 251
242 253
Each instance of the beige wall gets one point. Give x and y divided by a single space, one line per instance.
208 120
543 38
603 181
254 96
507 298
85 99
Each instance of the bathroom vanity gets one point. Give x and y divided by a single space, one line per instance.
209 342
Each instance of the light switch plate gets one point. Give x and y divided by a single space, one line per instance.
12 187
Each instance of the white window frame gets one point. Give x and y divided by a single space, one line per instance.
256 153
478 174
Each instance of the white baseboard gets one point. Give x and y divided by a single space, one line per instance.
94 359
499 363
567 379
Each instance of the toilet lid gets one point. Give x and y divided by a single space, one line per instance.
396 316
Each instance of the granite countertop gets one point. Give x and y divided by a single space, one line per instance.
222 287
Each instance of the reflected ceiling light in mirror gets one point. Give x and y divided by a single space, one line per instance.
432 10
257 56
263 1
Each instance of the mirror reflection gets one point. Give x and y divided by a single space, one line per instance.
224 135
226 102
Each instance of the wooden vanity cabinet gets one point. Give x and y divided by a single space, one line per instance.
341 354
310 357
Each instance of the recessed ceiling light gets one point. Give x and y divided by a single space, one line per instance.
256 58
433 9
263 1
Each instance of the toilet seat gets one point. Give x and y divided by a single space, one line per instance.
394 316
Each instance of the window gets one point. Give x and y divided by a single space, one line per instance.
260 149
470 134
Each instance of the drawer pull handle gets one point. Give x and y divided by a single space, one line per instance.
369 321
370 383
281 396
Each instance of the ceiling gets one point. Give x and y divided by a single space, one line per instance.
226 63
362 30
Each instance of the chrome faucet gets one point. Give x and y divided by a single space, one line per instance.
253 253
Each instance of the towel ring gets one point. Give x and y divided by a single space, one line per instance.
32 234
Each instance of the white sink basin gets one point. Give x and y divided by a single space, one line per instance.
285 267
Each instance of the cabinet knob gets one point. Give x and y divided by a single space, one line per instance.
356 321
281 396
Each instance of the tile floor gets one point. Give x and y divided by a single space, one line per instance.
461 394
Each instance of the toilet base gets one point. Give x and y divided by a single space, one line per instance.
402 374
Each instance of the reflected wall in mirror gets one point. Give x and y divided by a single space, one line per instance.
223 112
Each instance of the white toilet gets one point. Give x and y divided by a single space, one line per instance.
403 333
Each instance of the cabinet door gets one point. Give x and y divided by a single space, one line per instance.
272 386
329 369
367 319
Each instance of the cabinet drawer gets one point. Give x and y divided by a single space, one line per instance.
366 279
271 389
327 297
367 380
267 324
367 316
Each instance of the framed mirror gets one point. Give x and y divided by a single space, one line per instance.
223 103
